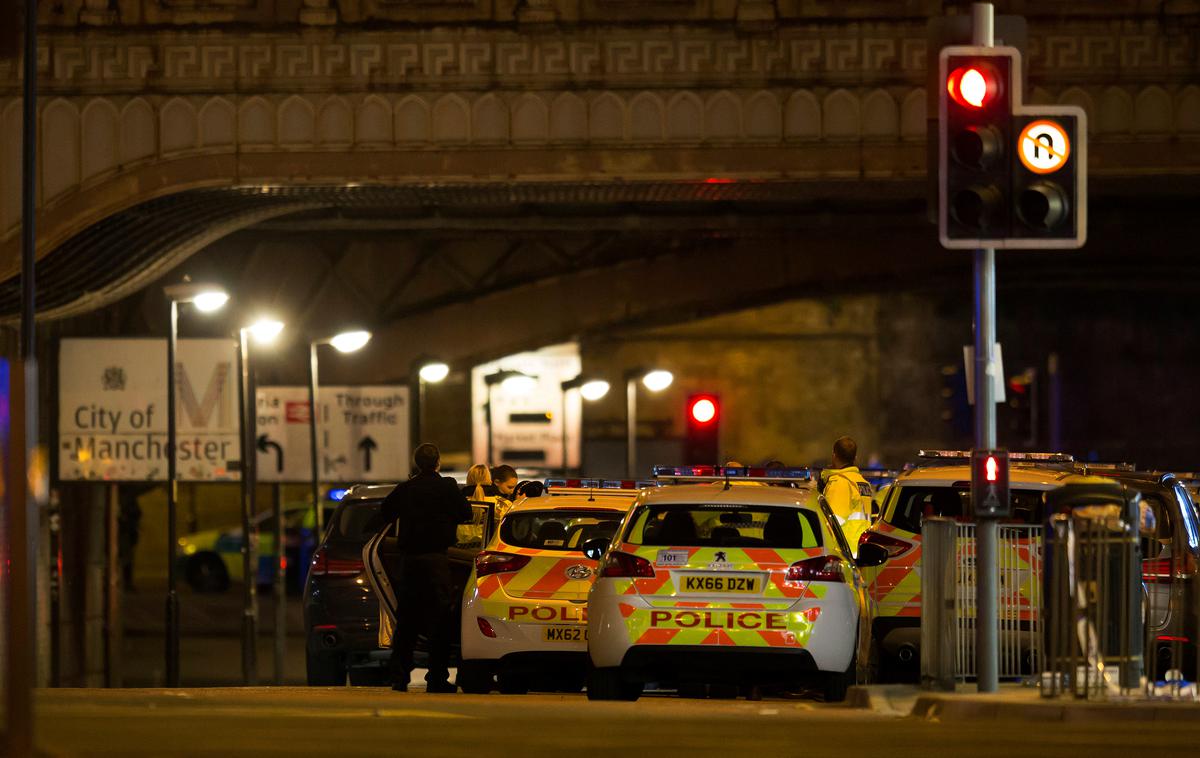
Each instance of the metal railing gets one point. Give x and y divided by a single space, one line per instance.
948 587
1095 639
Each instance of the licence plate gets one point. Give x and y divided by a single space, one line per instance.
705 583
565 634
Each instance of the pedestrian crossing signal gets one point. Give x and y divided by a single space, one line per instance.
989 484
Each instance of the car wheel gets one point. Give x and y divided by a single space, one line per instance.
206 573
836 683
511 684
474 677
369 676
610 684
325 671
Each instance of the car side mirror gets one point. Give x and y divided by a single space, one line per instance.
595 548
870 554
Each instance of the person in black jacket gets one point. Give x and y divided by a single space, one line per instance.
427 509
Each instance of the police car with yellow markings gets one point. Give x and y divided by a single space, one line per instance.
524 611
709 581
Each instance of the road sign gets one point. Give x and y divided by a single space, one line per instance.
112 410
1044 146
364 434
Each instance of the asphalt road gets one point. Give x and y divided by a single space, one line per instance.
361 721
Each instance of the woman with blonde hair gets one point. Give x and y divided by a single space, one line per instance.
479 483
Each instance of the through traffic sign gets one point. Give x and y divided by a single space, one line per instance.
1044 146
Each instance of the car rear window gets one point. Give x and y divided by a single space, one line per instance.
558 529
725 525
913 504
356 520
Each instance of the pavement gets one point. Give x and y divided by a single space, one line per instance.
1014 702
346 721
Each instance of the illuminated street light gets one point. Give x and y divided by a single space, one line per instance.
434 372
265 330
344 342
658 380
655 380
349 342
589 389
206 298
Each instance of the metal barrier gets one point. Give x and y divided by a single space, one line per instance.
1094 604
948 609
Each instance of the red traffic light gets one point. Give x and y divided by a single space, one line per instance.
973 86
992 469
703 409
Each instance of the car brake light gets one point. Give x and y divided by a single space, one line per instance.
823 568
494 562
1158 571
619 564
485 627
893 546
323 565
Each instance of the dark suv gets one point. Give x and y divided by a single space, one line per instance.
341 611
1169 563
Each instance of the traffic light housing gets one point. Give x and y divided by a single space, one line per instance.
1009 175
703 421
989 484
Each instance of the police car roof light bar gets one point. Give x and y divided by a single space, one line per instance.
1025 457
728 473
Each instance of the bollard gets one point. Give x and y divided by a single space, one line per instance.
939 548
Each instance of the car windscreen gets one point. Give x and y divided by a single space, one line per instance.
558 529
724 525
913 504
356 520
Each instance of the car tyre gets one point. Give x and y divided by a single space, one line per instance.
512 684
475 677
610 684
837 683
370 676
325 671
206 573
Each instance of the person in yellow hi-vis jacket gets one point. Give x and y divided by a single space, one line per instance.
848 494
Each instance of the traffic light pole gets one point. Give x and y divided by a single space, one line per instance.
986 531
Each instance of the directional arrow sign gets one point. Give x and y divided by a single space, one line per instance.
265 443
366 446
363 434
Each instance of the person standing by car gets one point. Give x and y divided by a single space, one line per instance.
427 510
847 492
504 477
479 483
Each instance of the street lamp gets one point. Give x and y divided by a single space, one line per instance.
514 382
426 372
343 342
206 298
264 331
655 380
590 390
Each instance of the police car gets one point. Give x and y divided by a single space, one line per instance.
713 581
524 608
940 485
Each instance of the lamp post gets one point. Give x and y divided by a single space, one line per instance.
428 372
205 298
263 331
655 380
589 389
343 342
517 382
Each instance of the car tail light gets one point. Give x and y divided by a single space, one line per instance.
485 627
893 546
494 562
1168 570
323 565
823 568
620 564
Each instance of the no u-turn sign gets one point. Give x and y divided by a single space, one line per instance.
1044 146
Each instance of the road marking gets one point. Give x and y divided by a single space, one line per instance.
251 711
